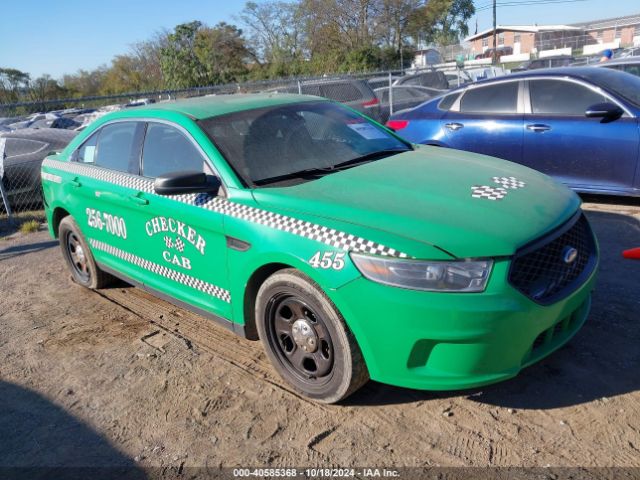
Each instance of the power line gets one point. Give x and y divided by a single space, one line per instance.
528 3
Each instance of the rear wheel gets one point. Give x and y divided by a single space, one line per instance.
306 338
76 253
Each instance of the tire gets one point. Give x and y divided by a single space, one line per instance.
78 256
306 338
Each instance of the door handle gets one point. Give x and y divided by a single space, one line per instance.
538 127
114 197
138 200
75 183
454 126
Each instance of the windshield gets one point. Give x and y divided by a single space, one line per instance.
303 141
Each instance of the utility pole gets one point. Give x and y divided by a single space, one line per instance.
494 56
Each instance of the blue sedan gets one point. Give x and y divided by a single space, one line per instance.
579 125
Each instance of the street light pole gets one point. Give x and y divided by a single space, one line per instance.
495 41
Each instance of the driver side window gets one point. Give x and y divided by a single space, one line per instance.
558 97
167 150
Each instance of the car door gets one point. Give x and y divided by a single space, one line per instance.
182 241
561 141
101 179
487 119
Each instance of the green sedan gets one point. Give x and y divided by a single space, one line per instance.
349 252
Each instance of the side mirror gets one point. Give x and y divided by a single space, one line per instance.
606 111
180 183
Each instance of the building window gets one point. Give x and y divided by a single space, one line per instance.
636 31
516 37
501 39
599 34
485 42
618 32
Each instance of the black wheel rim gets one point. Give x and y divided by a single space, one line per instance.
78 257
311 366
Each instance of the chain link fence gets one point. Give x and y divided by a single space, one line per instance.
29 131
21 155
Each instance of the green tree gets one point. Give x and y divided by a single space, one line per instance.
275 36
125 75
13 85
45 88
443 22
222 53
85 83
180 65
394 21
148 55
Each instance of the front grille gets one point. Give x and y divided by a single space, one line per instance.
539 270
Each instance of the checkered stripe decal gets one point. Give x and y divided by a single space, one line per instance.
511 183
163 271
497 193
301 228
129 181
490 193
51 178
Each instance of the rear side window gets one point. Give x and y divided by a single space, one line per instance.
342 92
308 90
383 95
117 148
447 102
167 150
15 147
632 69
87 152
555 97
500 98
403 94
415 80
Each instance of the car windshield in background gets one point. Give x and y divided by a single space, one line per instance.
299 141
627 86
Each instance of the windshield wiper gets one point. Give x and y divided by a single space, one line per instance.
334 168
369 157
298 174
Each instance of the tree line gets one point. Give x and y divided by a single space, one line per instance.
270 39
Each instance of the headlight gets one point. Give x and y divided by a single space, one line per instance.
437 276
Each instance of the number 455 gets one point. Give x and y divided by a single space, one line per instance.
327 260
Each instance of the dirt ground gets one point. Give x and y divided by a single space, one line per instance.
117 377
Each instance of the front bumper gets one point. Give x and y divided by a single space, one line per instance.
449 341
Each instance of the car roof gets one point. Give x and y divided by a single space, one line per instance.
204 107
621 61
583 73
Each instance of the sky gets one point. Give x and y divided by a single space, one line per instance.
548 13
63 36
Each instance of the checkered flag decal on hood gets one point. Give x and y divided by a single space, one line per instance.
488 192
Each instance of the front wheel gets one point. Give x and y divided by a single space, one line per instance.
306 338
78 256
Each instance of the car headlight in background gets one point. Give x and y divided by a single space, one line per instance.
436 276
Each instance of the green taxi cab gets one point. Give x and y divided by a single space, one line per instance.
349 252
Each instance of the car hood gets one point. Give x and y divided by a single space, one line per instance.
425 196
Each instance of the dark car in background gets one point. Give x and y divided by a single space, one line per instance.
431 79
547 62
403 97
23 152
577 124
357 94
379 82
626 64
